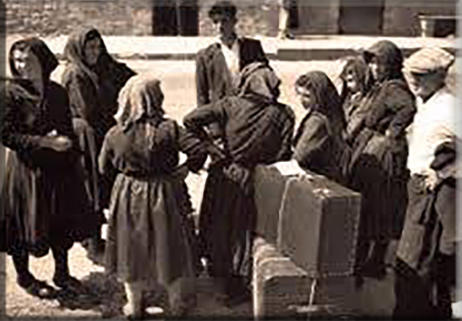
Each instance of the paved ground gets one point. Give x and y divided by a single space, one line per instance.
107 298
303 48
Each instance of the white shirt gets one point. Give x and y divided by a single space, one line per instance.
232 59
434 124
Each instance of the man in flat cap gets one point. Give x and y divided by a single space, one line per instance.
425 265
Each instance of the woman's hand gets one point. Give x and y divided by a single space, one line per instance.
60 143
181 172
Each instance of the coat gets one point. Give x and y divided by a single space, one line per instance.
212 81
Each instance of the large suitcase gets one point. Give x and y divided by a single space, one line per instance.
309 218
282 289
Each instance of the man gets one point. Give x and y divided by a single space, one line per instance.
425 267
218 65
288 18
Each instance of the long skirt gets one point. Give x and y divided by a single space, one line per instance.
379 174
44 207
149 235
226 226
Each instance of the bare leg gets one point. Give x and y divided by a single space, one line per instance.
135 305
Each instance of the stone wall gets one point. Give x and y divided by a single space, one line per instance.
260 17
55 17
401 17
255 17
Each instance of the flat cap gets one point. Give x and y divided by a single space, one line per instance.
428 60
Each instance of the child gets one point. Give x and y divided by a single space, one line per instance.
149 239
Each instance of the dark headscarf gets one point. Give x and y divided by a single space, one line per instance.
46 58
327 99
258 81
387 54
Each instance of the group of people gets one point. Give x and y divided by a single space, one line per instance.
101 140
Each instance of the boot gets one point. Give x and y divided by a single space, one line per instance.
95 250
61 277
27 281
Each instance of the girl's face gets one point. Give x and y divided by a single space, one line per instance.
351 81
307 98
92 51
378 70
27 65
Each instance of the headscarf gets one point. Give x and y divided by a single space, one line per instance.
74 51
388 54
258 81
46 58
140 98
327 99
360 72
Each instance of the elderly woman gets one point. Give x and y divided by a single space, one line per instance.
257 130
149 238
93 80
43 197
319 145
378 163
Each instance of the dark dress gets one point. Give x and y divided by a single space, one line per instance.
43 197
150 237
379 162
255 132
93 93
319 147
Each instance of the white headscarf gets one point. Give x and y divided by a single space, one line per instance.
141 97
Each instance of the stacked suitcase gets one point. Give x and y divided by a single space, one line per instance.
304 256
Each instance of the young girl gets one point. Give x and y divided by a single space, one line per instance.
356 83
319 145
149 238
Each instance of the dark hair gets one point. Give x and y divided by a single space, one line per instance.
361 72
223 9
327 99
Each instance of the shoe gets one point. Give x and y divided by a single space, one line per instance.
68 282
37 288
375 271
237 293
95 251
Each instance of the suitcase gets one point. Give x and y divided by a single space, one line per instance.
282 289
278 284
311 219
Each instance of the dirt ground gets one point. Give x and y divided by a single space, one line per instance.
106 297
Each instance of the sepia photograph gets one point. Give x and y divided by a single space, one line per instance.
230 159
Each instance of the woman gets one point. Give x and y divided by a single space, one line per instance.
150 240
356 82
257 130
319 145
378 164
43 196
93 80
